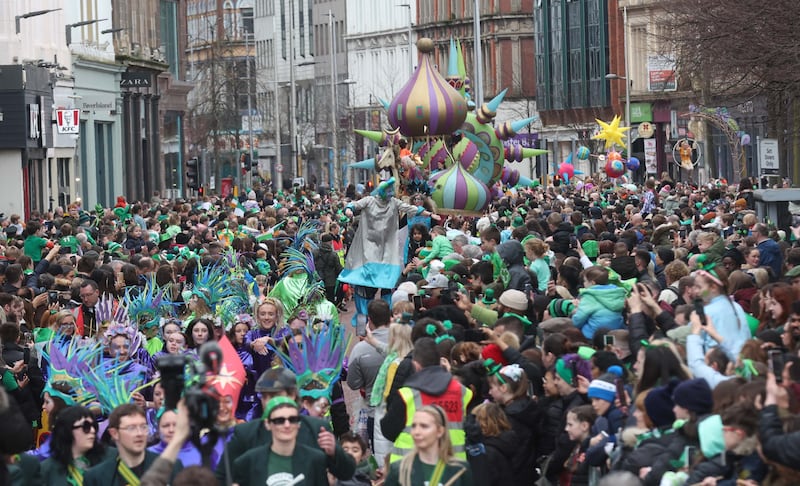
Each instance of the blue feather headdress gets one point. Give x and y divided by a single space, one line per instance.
69 360
146 306
317 359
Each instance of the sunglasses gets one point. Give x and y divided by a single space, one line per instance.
86 426
294 419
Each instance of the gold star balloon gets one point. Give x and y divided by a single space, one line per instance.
611 132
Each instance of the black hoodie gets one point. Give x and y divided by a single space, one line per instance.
512 254
432 380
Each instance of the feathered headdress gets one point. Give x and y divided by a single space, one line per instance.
114 383
298 258
69 360
146 306
317 360
121 325
223 288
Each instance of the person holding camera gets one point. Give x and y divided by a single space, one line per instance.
284 459
28 381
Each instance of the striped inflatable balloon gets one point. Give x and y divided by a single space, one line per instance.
427 104
456 191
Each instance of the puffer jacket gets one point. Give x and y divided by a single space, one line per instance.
524 417
512 254
327 264
600 306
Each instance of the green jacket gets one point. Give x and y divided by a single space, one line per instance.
441 248
105 473
252 468
715 252
54 474
252 434
421 474
25 472
599 306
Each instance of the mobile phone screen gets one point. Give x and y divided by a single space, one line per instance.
608 340
417 302
361 326
698 307
776 364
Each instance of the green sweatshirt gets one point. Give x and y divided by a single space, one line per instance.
441 248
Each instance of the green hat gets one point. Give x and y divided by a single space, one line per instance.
564 371
488 297
275 403
560 307
591 248
164 237
113 247
517 222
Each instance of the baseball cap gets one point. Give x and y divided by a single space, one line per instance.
438 281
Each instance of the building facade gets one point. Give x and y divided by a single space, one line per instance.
577 45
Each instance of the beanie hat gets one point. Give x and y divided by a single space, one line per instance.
514 299
493 351
591 248
658 405
560 308
604 387
694 395
666 255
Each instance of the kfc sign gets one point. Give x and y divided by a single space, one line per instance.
68 121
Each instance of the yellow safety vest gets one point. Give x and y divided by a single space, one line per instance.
450 400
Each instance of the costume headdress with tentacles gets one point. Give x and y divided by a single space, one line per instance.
146 306
218 286
117 323
317 359
69 360
298 258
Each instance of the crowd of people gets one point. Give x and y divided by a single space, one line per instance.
601 334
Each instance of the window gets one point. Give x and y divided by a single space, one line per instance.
246 15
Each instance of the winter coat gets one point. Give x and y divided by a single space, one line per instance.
600 306
657 453
715 252
549 425
562 238
512 254
524 415
328 264
563 445
777 446
499 451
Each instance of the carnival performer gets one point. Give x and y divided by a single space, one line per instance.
375 259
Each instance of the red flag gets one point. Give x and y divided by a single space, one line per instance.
231 377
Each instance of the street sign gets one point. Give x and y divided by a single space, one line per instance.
279 167
68 121
768 157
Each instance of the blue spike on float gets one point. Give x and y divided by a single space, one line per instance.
495 102
524 181
384 103
368 164
518 125
452 64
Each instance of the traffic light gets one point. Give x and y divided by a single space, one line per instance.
245 162
193 173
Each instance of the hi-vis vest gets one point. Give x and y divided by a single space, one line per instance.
453 401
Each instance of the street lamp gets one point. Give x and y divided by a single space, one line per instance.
410 43
68 28
612 76
32 14
478 81
334 162
112 31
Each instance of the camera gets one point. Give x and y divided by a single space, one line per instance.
185 377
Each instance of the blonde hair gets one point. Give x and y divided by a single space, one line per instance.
537 247
445 446
708 237
400 339
279 312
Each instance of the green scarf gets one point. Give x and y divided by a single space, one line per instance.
380 380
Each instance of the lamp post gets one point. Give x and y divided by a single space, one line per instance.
478 81
612 76
249 108
410 43
32 14
627 79
68 28
334 162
